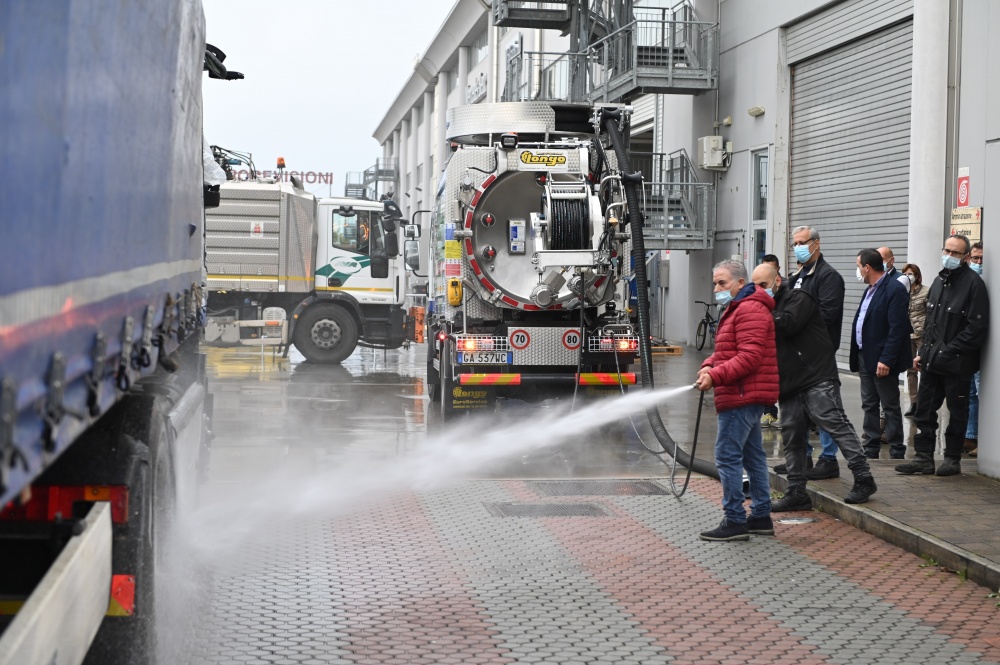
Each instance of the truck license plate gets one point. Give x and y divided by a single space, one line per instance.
484 358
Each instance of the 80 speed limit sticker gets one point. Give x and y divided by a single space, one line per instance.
571 339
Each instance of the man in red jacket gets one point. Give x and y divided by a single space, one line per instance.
744 372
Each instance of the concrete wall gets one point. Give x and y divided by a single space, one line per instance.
979 150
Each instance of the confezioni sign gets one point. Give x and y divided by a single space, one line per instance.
307 177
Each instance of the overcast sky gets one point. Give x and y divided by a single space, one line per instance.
320 76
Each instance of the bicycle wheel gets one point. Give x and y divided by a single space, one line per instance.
701 334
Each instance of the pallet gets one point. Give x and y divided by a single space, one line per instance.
667 350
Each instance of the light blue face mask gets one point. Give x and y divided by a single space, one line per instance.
977 268
723 297
802 252
769 292
949 262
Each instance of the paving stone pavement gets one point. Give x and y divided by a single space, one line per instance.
451 577
439 578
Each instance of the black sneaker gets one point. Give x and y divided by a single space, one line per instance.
727 531
864 487
825 468
792 501
762 526
782 469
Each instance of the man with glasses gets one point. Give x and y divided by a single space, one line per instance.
822 281
958 313
972 429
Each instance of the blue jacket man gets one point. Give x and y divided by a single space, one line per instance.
880 352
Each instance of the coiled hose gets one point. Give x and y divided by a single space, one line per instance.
629 182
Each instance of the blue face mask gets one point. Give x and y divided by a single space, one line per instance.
802 252
977 268
723 297
949 262
769 292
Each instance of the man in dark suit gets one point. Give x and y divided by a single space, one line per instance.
880 351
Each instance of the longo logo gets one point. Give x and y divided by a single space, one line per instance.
460 393
548 159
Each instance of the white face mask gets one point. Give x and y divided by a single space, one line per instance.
861 277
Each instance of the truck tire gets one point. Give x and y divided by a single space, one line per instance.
433 376
326 333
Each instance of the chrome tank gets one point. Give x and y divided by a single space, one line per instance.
522 228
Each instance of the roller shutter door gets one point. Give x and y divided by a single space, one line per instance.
850 152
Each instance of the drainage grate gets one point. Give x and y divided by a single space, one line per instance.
547 510
596 488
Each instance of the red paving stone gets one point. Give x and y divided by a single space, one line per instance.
385 613
959 609
716 624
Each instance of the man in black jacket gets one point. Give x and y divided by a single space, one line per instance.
826 286
958 314
880 351
809 388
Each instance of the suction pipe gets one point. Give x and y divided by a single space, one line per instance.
629 183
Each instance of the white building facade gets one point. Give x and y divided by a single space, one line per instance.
853 116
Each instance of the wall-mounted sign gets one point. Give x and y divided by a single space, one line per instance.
967 222
476 90
962 192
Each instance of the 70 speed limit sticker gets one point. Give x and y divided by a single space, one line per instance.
571 339
519 339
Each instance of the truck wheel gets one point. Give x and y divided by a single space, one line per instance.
433 376
326 334
446 384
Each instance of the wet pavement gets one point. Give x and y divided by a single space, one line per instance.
576 553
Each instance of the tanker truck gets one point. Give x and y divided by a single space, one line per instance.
326 275
529 260
103 403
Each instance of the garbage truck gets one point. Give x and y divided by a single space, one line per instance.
104 412
529 260
323 274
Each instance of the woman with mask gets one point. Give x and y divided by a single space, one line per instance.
918 314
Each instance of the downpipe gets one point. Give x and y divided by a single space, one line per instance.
629 182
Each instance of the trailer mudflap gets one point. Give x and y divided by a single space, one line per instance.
58 622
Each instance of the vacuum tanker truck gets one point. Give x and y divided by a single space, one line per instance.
103 403
529 259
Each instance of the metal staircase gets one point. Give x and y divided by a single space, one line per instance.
678 210
373 182
660 51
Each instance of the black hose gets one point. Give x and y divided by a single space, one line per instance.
642 295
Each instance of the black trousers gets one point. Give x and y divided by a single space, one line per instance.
934 390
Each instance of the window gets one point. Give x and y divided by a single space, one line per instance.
479 49
758 193
352 229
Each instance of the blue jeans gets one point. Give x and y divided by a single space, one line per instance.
972 428
739 445
826 442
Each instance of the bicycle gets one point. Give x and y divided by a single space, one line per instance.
705 326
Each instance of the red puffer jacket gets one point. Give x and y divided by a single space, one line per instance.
745 363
